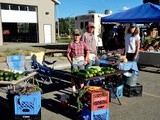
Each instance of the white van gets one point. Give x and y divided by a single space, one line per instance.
82 21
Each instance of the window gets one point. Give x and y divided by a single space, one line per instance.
86 23
23 7
32 8
81 25
14 7
17 7
23 27
5 6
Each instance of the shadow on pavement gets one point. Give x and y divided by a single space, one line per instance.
56 107
59 81
4 109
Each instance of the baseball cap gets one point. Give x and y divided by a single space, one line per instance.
76 32
90 25
133 25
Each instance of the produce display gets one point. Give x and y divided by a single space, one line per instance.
93 71
82 92
9 76
29 89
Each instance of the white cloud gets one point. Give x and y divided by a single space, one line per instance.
125 8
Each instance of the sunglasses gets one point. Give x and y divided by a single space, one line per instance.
76 35
91 27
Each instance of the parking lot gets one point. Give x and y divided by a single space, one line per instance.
146 107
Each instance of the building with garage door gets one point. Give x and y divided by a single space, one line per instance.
30 21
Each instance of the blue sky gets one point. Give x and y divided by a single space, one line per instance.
72 8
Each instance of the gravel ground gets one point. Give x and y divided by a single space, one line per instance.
29 46
61 63
26 48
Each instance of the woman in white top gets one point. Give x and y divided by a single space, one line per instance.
132 43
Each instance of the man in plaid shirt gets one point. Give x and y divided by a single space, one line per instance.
90 41
77 55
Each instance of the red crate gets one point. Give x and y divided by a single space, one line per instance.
97 100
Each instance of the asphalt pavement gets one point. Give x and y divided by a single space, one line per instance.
145 107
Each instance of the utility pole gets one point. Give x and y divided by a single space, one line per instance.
58 27
58 22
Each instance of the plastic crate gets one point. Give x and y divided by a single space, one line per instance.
133 91
118 90
28 117
97 100
95 115
97 82
27 104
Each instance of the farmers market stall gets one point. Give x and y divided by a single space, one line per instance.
118 72
24 100
93 102
25 103
108 74
145 13
14 82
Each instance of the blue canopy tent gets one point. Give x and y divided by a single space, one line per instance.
144 13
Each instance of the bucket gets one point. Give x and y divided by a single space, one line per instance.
131 78
64 101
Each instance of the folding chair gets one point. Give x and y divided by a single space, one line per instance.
17 63
43 67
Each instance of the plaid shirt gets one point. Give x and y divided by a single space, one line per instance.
90 42
77 49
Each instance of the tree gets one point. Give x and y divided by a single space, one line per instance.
62 26
71 24
66 25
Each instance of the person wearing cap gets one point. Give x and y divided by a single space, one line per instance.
89 39
132 43
77 55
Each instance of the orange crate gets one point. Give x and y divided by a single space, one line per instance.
97 100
